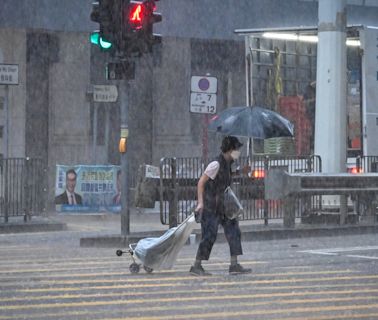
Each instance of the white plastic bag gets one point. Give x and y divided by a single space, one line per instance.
233 207
161 252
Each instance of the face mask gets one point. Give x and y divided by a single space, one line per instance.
235 154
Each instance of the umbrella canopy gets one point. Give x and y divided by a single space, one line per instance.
253 122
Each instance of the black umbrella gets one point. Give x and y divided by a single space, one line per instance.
253 122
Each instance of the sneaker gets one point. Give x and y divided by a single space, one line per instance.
238 269
199 271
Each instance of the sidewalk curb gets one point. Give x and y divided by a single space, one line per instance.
32 226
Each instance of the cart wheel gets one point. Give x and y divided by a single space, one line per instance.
119 253
134 267
148 269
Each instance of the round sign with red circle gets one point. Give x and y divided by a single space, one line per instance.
203 84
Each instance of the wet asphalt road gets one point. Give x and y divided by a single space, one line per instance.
48 275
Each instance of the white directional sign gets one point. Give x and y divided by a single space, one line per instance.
105 93
9 74
203 102
203 96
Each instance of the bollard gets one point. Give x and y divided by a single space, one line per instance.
266 202
173 196
289 212
343 209
370 216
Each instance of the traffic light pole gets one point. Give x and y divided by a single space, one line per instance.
124 87
126 29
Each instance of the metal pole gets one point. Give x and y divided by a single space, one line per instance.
6 165
125 212
107 124
331 91
205 143
266 202
249 71
173 196
6 155
7 120
94 142
330 124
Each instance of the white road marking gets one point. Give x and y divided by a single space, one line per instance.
338 251
362 257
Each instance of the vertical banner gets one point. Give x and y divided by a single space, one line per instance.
87 188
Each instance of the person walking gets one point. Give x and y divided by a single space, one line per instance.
211 210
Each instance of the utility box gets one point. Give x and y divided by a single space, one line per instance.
146 191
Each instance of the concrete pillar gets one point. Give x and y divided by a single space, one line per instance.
330 121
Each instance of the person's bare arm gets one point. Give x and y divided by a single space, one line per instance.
200 191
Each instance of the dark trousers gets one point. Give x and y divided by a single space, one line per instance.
209 227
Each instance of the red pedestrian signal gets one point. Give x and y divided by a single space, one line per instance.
137 35
136 16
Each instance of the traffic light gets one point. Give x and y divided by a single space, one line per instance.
100 41
137 27
135 16
107 14
152 17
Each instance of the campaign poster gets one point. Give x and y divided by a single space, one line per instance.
88 188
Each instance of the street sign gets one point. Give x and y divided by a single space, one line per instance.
203 102
203 95
204 84
152 172
105 93
9 74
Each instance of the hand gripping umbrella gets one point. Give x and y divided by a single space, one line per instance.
252 122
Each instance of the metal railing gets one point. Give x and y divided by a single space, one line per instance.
367 164
179 177
21 188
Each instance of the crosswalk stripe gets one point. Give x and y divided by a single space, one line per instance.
99 259
122 287
235 305
147 293
335 317
190 298
86 313
69 267
136 282
102 295
105 274
235 314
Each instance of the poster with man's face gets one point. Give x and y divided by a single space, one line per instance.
86 188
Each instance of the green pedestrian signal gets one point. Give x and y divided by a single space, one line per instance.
96 39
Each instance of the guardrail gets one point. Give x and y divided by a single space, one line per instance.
284 186
21 188
367 164
175 187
